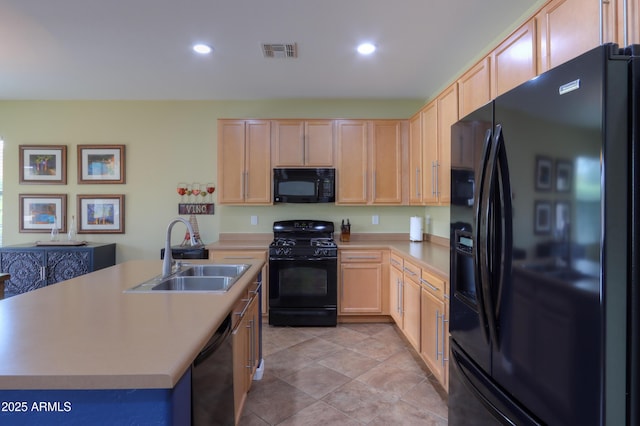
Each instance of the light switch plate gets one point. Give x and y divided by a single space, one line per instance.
254 220
375 219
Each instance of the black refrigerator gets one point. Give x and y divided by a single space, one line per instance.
544 249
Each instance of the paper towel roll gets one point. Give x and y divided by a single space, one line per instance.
415 229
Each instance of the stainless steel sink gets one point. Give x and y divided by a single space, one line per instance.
219 270
195 283
212 278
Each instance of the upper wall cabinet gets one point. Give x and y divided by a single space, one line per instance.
474 87
430 154
244 161
514 61
369 161
298 143
567 28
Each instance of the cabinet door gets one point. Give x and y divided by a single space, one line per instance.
411 303
447 117
318 147
351 162
432 339
474 87
395 295
361 288
415 160
231 154
288 143
514 60
429 119
567 28
258 163
386 170
64 265
26 269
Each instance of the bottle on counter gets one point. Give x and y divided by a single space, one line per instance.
71 235
54 231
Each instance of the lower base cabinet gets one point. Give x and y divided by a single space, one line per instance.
246 350
363 282
432 338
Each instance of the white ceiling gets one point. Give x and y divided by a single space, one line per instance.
141 49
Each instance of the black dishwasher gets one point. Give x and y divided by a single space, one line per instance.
212 380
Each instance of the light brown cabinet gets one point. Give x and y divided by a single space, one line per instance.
363 282
298 143
246 353
369 161
395 289
244 162
474 87
411 304
514 60
435 326
430 178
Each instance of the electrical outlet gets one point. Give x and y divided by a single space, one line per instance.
254 220
375 219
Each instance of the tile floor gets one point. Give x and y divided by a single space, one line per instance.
353 374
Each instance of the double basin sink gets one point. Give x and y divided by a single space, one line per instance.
211 278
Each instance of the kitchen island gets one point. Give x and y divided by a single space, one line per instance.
84 352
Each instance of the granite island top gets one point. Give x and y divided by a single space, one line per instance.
86 333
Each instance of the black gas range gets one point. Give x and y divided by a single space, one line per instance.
303 276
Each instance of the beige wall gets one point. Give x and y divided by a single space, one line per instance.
167 142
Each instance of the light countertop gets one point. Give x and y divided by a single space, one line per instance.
86 333
432 256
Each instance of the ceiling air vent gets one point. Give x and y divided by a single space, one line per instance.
280 50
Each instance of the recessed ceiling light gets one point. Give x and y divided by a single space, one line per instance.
202 48
366 48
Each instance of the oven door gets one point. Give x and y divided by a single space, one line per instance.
303 283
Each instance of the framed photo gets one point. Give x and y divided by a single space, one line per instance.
562 217
100 214
564 175
43 164
542 218
543 173
100 164
39 213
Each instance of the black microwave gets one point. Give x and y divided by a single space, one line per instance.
304 185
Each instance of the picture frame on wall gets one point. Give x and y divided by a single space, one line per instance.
564 176
100 214
39 212
543 173
101 164
542 218
43 164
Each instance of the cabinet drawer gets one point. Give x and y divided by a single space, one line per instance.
433 283
239 256
411 271
361 256
396 261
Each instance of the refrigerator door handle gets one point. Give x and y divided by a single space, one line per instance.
487 245
479 265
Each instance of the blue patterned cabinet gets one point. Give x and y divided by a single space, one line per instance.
32 266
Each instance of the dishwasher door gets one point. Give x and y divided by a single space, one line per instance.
212 380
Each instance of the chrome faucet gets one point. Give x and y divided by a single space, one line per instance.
168 263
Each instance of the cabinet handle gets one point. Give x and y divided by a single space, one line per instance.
417 182
428 284
43 273
374 188
437 339
251 344
257 290
401 298
433 178
437 178
396 263
361 257
398 295
444 337
409 271
246 306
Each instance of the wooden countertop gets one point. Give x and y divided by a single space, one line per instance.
432 256
86 333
